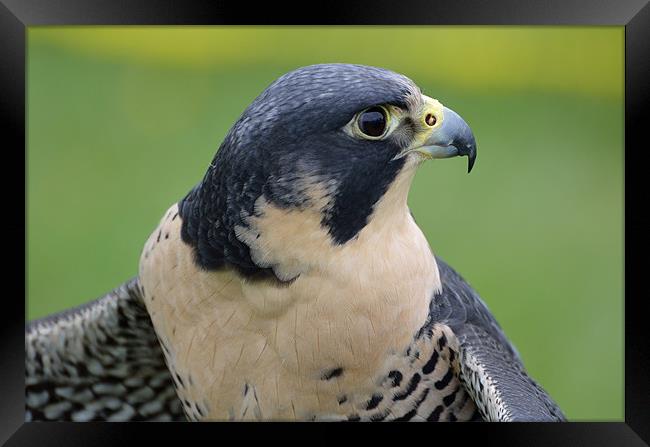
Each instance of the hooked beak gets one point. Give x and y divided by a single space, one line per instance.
452 139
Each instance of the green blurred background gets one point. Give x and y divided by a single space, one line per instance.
123 121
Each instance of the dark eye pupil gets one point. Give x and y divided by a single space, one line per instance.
372 122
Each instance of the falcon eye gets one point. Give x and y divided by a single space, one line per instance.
373 122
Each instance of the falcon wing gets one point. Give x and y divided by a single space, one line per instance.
99 361
490 367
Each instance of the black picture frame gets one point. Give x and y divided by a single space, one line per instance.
17 15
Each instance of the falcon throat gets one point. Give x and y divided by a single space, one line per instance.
341 308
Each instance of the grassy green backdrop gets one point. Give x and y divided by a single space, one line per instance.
123 121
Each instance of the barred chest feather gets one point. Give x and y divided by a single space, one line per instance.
344 340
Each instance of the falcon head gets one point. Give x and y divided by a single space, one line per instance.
313 160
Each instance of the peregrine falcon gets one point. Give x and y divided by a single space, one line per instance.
293 283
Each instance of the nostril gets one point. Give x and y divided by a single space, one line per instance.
430 119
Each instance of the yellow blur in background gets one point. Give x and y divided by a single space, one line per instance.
123 121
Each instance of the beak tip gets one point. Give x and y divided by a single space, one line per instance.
470 164
471 158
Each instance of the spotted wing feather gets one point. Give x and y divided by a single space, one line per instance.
99 361
490 367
